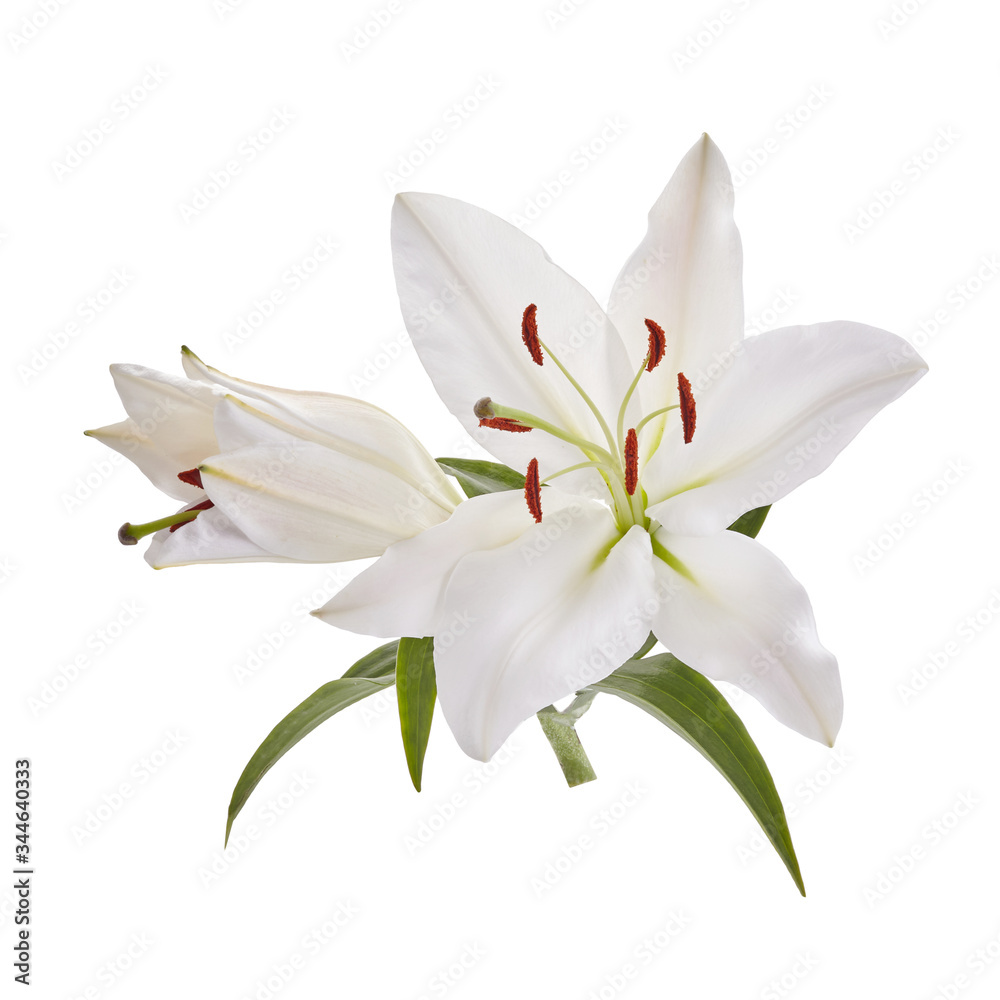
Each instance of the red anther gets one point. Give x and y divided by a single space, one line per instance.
688 414
192 477
631 461
204 505
533 491
529 334
504 424
657 344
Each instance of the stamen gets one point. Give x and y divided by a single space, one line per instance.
529 334
657 344
533 491
192 477
631 461
688 414
204 505
504 424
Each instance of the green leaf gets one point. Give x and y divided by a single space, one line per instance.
476 477
371 674
416 688
692 707
562 736
751 522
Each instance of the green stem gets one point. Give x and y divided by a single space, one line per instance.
565 742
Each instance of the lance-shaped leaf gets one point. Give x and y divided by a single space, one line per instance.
692 707
477 477
371 674
416 689
751 522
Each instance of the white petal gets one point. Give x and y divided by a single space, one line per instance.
309 503
782 412
210 538
745 619
686 275
161 469
403 593
464 278
343 423
535 620
171 425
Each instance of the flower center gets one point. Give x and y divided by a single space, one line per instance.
617 459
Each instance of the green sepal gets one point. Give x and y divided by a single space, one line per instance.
690 705
416 690
477 477
371 674
751 522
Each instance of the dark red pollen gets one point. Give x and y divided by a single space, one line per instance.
657 344
631 461
192 477
204 505
529 334
504 424
533 491
688 414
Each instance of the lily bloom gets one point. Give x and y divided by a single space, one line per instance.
660 424
270 474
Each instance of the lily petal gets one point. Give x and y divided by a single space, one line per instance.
304 501
562 608
788 405
464 278
686 275
210 538
171 419
737 614
403 593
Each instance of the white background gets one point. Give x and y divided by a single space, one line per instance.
896 829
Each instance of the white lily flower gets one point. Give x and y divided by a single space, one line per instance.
529 599
270 474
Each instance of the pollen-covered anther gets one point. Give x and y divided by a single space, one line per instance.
529 334
192 477
657 344
533 491
504 424
631 461
688 413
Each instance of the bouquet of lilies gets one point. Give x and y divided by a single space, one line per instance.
639 449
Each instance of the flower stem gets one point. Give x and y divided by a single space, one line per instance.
565 742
